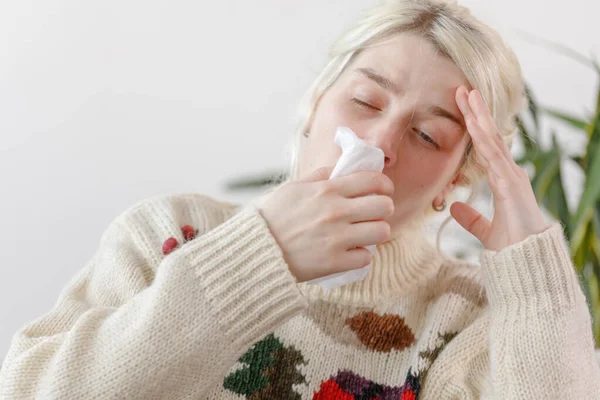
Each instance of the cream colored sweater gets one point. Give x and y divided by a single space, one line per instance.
221 317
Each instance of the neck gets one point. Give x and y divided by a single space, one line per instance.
407 226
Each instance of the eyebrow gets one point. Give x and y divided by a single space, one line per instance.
387 84
442 112
377 78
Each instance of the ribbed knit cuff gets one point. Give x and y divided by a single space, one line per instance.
535 274
243 273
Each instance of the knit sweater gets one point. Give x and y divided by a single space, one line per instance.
220 316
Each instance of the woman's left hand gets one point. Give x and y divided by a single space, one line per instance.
516 212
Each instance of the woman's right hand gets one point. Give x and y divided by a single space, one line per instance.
323 225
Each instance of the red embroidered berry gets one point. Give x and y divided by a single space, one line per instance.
408 395
169 245
188 232
330 390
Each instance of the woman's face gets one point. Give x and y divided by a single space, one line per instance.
400 97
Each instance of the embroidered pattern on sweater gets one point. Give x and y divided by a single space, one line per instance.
381 333
188 232
270 370
347 385
431 355
414 382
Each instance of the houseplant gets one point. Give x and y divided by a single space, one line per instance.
581 222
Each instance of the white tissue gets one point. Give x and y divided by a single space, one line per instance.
356 156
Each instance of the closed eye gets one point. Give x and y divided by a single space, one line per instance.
363 104
427 138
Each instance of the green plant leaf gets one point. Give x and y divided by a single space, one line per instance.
579 229
531 156
585 285
593 133
580 161
590 195
547 168
595 239
256 182
583 251
532 107
571 120
591 192
528 142
556 203
594 300
593 295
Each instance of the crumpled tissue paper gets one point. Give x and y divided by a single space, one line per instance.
356 156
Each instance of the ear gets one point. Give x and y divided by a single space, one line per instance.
449 188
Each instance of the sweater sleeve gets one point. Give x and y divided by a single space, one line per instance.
137 326
540 337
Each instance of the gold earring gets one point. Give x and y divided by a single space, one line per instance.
439 208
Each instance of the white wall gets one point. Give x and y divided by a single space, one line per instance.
103 104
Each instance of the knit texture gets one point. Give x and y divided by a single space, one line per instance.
187 297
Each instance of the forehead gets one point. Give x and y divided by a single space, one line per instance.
412 63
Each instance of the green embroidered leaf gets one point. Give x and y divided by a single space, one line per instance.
260 355
245 382
270 372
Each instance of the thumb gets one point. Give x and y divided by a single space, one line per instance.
320 174
471 220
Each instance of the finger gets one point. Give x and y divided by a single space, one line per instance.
369 208
486 121
320 174
473 107
363 234
462 100
364 183
481 111
471 220
352 259
495 157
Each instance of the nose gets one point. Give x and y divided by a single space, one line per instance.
387 138
390 159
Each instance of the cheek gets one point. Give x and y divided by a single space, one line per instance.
422 174
327 118
315 153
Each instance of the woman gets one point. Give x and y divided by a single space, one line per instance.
191 298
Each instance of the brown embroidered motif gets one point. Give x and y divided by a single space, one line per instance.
381 332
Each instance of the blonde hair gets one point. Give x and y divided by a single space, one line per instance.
485 60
